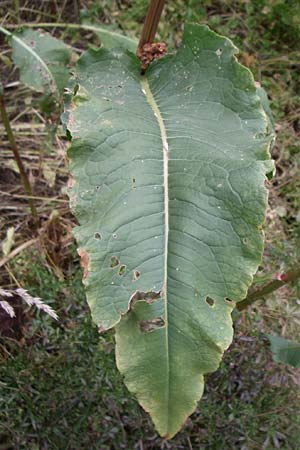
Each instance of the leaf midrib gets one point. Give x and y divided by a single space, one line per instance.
156 111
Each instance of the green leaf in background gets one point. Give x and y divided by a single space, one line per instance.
285 351
43 60
168 187
111 38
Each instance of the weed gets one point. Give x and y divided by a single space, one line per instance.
60 388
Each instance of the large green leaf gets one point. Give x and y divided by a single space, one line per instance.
42 60
168 172
285 351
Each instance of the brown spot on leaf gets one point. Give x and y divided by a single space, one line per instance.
84 261
70 182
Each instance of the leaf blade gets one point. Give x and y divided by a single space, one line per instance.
42 60
181 159
285 351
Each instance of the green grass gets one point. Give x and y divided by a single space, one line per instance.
60 388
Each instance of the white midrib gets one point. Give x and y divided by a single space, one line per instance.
152 102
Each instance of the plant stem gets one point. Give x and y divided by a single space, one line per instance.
268 288
151 22
14 147
17 10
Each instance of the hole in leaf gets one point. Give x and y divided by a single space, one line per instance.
114 236
114 262
147 326
210 302
245 241
97 236
98 187
219 51
229 302
148 297
136 275
122 270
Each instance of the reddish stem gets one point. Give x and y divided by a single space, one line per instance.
268 288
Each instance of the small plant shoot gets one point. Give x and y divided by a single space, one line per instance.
168 172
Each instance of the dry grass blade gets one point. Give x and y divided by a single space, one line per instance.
36 301
16 251
4 293
7 308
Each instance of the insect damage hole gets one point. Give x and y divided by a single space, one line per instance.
149 297
97 236
229 301
122 270
210 302
136 275
146 326
114 262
